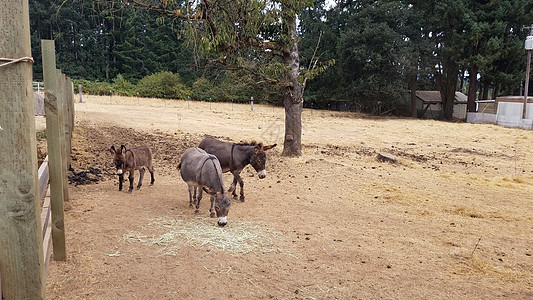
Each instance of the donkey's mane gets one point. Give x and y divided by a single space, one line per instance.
252 143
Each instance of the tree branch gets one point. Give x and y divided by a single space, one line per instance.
159 9
263 77
310 68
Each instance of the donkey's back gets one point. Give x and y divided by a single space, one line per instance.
131 159
142 157
222 150
196 171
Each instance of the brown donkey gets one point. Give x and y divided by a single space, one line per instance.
234 157
132 159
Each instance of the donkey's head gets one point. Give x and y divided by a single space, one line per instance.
119 158
258 159
222 204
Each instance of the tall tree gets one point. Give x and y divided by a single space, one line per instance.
97 40
485 30
447 32
377 53
319 30
482 35
257 36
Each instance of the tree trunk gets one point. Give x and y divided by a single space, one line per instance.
450 101
293 127
293 96
485 89
447 84
472 88
412 87
461 83
496 92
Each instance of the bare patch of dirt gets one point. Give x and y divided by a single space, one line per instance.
451 220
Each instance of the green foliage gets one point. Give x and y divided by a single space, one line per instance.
364 52
203 89
123 87
163 85
93 87
98 40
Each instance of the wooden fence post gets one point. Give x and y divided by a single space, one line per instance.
68 97
62 113
21 254
55 153
79 90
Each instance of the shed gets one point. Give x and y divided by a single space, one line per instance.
38 104
430 104
510 112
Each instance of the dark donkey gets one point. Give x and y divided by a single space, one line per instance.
201 171
234 157
132 159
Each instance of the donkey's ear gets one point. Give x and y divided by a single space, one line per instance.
112 150
269 147
122 148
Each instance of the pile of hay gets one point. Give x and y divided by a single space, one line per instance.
237 238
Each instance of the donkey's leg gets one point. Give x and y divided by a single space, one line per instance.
241 183
120 180
197 211
131 181
151 169
212 208
191 195
141 176
233 188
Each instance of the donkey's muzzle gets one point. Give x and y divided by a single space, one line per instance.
222 221
262 174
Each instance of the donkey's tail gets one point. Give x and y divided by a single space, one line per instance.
179 166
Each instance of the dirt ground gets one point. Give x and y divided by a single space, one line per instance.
453 219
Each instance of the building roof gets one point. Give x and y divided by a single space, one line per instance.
433 97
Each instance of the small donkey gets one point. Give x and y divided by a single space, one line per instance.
130 160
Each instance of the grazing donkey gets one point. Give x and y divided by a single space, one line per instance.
202 172
132 159
234 157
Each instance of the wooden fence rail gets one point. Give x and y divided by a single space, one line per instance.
46 229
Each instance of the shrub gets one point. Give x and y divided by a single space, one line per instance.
93 87
162 85
123 87
203 89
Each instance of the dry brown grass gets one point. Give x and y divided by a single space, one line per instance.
451 220
475 266
237 238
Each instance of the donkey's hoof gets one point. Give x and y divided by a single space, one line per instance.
196 212
241 198
212 215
